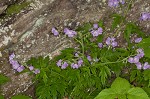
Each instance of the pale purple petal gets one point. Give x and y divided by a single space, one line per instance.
108 41
130 60
144 16
114 44
95 26
59 63
64 65
74 66
89 58
136 59
31 68
12 56
55 32
80 62
138 65
20 69
37 71
99 30
137 40
146 66
100 45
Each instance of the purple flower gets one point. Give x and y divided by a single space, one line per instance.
59 63
140 53
55 32
69 33
64 65
37 71
100 45
138 65
80 62
146 66
122 1
74 66
31 68
137 40
97 32
111 42
12 56
113 3
145 16
20 69
89 58
15 64
95 26
133 59
130 59
76 55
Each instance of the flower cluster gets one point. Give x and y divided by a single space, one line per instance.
96 30
18 67
64 64
110 41
115 3
145 16
136 59
70 33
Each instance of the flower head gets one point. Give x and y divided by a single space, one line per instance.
36 71
31 68
97 32
89 58
20 69
100 45
74 66
137 40
146 66
80 62
59 63
54 31
145 16
110 41
64 65
138 65
70 33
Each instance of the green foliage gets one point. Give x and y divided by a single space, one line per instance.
3 79
117 19
20 97
16 8
1 97
121 89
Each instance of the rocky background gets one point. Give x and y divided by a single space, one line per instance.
25 28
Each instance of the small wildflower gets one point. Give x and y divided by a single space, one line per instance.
89 58
97 32
137 40
95 26
59 63
12 56
111 42
100 45
145 16
113 3
146 66
31 68
74 66
64 65
138 65
69 33
80 62
133 59
37 71
20 69
55 32
76 55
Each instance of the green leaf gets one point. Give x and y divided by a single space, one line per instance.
106 94
3 79
21 97
117 19
120 85
1 97
137 93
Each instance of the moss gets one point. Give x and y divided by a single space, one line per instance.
16 8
